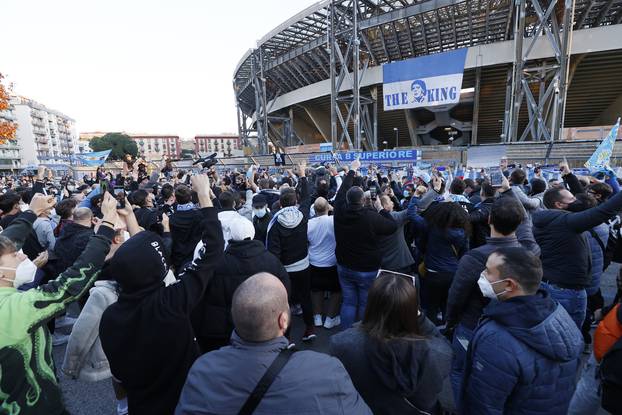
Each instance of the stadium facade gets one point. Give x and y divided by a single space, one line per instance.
534 70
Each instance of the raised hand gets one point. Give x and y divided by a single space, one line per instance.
41 204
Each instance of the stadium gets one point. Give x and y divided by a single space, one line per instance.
539 76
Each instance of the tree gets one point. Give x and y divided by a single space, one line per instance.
120 144
7 129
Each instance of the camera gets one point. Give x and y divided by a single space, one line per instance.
207 162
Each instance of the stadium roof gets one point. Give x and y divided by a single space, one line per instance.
296 52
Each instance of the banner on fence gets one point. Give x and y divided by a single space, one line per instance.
368 157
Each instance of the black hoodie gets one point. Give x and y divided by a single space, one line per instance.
147 335
186 234
71 243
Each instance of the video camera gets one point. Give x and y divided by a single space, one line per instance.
207 162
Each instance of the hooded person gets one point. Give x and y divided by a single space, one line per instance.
147 334
287 240
244 257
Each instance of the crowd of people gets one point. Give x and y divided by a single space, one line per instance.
440 294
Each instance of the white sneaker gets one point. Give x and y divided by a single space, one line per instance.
59 339
64 321
317 320
332 322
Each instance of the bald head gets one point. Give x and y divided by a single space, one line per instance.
260 309
320 206
83 216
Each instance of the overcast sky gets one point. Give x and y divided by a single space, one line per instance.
152 66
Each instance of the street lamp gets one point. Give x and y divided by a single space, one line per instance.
385 144
397 136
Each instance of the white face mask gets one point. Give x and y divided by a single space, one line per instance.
260 213
24 273
71 188
485 287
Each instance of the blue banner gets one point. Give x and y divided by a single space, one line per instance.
426 81
367 157
602 155
93 159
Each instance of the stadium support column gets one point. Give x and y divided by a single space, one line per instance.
260 119
552 24
478 81
343 31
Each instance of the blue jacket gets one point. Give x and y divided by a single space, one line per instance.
523 358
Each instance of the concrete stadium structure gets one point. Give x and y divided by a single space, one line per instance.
533 68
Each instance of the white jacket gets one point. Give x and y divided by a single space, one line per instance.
84 356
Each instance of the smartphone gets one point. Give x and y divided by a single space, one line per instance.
496 177
105 186
119 194
373 192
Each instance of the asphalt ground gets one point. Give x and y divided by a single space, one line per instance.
97 398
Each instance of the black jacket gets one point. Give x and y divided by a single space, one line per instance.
148 337
211 319
186 233
357 231
479 221
71 243
290 244
261 227
566 258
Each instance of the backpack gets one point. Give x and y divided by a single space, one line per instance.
611 378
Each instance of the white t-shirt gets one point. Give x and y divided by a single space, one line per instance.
321 235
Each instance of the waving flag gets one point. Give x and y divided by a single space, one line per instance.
602 155
93 159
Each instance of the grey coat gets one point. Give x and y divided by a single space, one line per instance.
396 255
219 382
84 356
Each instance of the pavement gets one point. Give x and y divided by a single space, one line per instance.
97 398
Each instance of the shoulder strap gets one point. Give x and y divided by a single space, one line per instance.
264 383
600 243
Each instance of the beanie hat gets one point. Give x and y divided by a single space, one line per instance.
139 263
241 228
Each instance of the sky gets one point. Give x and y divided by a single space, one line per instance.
148 66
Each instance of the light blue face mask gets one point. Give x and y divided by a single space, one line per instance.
406 193
260 213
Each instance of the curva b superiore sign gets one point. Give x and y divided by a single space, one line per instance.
426 81
367 157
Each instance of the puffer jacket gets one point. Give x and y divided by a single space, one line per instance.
84 357
597 236
211 319
523 358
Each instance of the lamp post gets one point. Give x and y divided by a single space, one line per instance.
397 136
385 144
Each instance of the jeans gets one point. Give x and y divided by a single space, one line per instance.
573 301
434 292
354 287
586 400
459 344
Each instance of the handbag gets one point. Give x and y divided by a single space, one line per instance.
266 380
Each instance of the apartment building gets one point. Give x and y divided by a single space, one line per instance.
157 147
224 145
44 136
9 152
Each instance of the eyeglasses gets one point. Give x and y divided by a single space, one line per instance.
384 273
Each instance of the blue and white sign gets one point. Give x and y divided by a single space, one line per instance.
93 159
426 81
367 157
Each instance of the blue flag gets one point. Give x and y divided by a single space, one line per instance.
602 155
93 159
